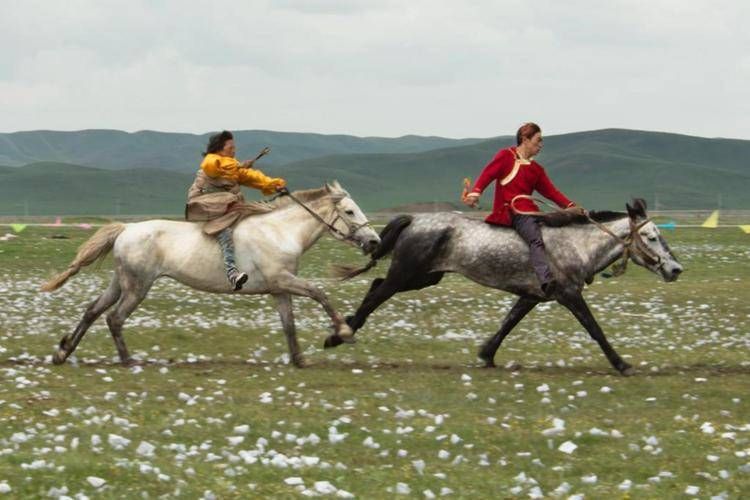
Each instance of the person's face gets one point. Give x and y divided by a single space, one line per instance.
533 145
228 149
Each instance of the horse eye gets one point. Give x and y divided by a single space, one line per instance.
349 212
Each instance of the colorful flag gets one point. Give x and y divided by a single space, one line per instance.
712 221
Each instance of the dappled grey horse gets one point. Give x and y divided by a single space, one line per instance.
268 246
424 247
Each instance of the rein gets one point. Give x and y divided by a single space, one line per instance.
632 243
353 228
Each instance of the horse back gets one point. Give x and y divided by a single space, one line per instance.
153 243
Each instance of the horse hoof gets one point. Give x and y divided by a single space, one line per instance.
131 362
59 357
332 341
488 359
627 371
299 362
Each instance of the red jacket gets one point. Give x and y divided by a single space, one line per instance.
525 180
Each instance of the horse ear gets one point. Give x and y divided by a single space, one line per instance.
640 204
636 208
328 187
631 211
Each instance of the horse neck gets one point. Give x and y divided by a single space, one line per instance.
605 248
303 226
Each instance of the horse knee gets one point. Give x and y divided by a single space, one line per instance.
90 315
114 322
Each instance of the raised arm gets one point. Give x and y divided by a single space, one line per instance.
500 166
256 179
220 166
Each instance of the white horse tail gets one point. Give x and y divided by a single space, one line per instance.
388 237
92 250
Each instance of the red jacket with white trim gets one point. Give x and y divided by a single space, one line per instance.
511 182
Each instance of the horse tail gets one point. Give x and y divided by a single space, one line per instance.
95 248
388 237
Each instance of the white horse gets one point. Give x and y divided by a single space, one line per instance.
268 248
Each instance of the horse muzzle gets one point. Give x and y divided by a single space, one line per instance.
671 272
370 245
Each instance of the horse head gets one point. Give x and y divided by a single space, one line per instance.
647 247
350 223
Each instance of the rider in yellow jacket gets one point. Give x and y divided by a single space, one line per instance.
215 195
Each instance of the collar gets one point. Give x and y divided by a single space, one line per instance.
517 155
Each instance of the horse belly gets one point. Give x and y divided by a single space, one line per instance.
498 264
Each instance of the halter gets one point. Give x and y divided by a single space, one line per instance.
352 227
632 243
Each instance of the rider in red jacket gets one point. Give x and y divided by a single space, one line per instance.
516 173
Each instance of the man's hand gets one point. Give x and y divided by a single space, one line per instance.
577 210
247 164
471 200
263 152
282 190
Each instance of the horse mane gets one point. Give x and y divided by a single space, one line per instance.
605 216
303 195
560 219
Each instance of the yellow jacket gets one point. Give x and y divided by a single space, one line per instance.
229 168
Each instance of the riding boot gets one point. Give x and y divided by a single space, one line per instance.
235 277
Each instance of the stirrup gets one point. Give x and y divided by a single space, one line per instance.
237 279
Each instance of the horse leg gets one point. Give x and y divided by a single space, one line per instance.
382 290
350 318
284 306
577 305
69 343
520 309
133 293
287 282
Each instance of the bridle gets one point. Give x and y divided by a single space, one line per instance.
633 243
337 233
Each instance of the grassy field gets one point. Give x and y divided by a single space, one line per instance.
407 410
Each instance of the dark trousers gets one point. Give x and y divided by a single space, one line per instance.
527 227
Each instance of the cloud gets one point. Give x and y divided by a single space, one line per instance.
374 67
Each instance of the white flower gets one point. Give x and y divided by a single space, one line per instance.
568 447
96 482
145 449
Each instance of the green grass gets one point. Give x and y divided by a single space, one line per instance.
689 341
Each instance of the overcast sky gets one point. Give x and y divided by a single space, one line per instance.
376 67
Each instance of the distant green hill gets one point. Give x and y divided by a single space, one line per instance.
114 149
600 169
58 189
